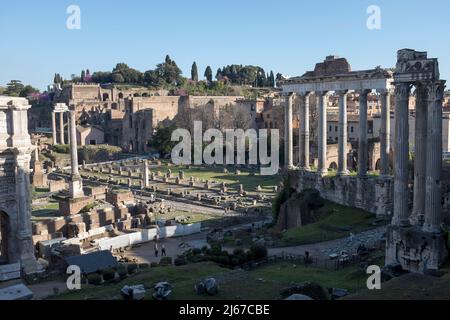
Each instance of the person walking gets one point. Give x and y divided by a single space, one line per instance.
156 250
163 251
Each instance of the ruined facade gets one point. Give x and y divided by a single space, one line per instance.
15 199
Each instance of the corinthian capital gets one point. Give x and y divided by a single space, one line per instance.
436 90
402 90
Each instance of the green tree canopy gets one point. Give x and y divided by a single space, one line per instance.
194 72
161 140
208 74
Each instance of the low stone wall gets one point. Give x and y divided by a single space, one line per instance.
372 194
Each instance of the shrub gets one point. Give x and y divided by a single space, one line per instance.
94 278
196 251
180 261
216 249
153 265
259 251
131 268
108 274
204 249
144 266
122 271
165 261
61 148
238 252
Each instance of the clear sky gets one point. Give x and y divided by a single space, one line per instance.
287 36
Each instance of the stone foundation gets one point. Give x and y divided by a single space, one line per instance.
417 251
69 206
370 194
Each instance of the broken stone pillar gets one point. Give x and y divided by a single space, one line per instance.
61 128
146 175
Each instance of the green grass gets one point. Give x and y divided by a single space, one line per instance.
49 210
335 222
263 283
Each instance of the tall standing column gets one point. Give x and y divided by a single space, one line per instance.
362 141
61 128
54 128
342 148
304 131
75 184
433 205
322 134
420 156
289 139
401 152
385 132
146 175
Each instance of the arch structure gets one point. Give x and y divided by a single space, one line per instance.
15 199
335 75
416 237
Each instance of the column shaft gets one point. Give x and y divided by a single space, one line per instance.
61 128
420 156
401 192
362 141
73 144
342 148
54 128
433 204
322 134
385 133
289 143
304 131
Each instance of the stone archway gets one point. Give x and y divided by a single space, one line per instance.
333 166
4 236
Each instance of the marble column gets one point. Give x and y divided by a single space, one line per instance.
362 141
401 152
54 128
61 128
385 132
146 175
75 183
322 134
304 131
433 204
420 156
289 138
342 147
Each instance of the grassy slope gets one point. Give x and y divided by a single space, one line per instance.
262 283
335 221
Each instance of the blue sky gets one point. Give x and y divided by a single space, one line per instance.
287 36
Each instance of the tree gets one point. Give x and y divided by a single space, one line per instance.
14 88
161 140
169 71
208 74
219 74
194 72
117 78
271 79
83 75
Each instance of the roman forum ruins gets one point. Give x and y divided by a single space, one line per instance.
415 240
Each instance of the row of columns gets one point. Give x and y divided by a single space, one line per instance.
55 130
304 134
427 206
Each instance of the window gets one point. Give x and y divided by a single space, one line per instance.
330 129
336 129
351 129
93 142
